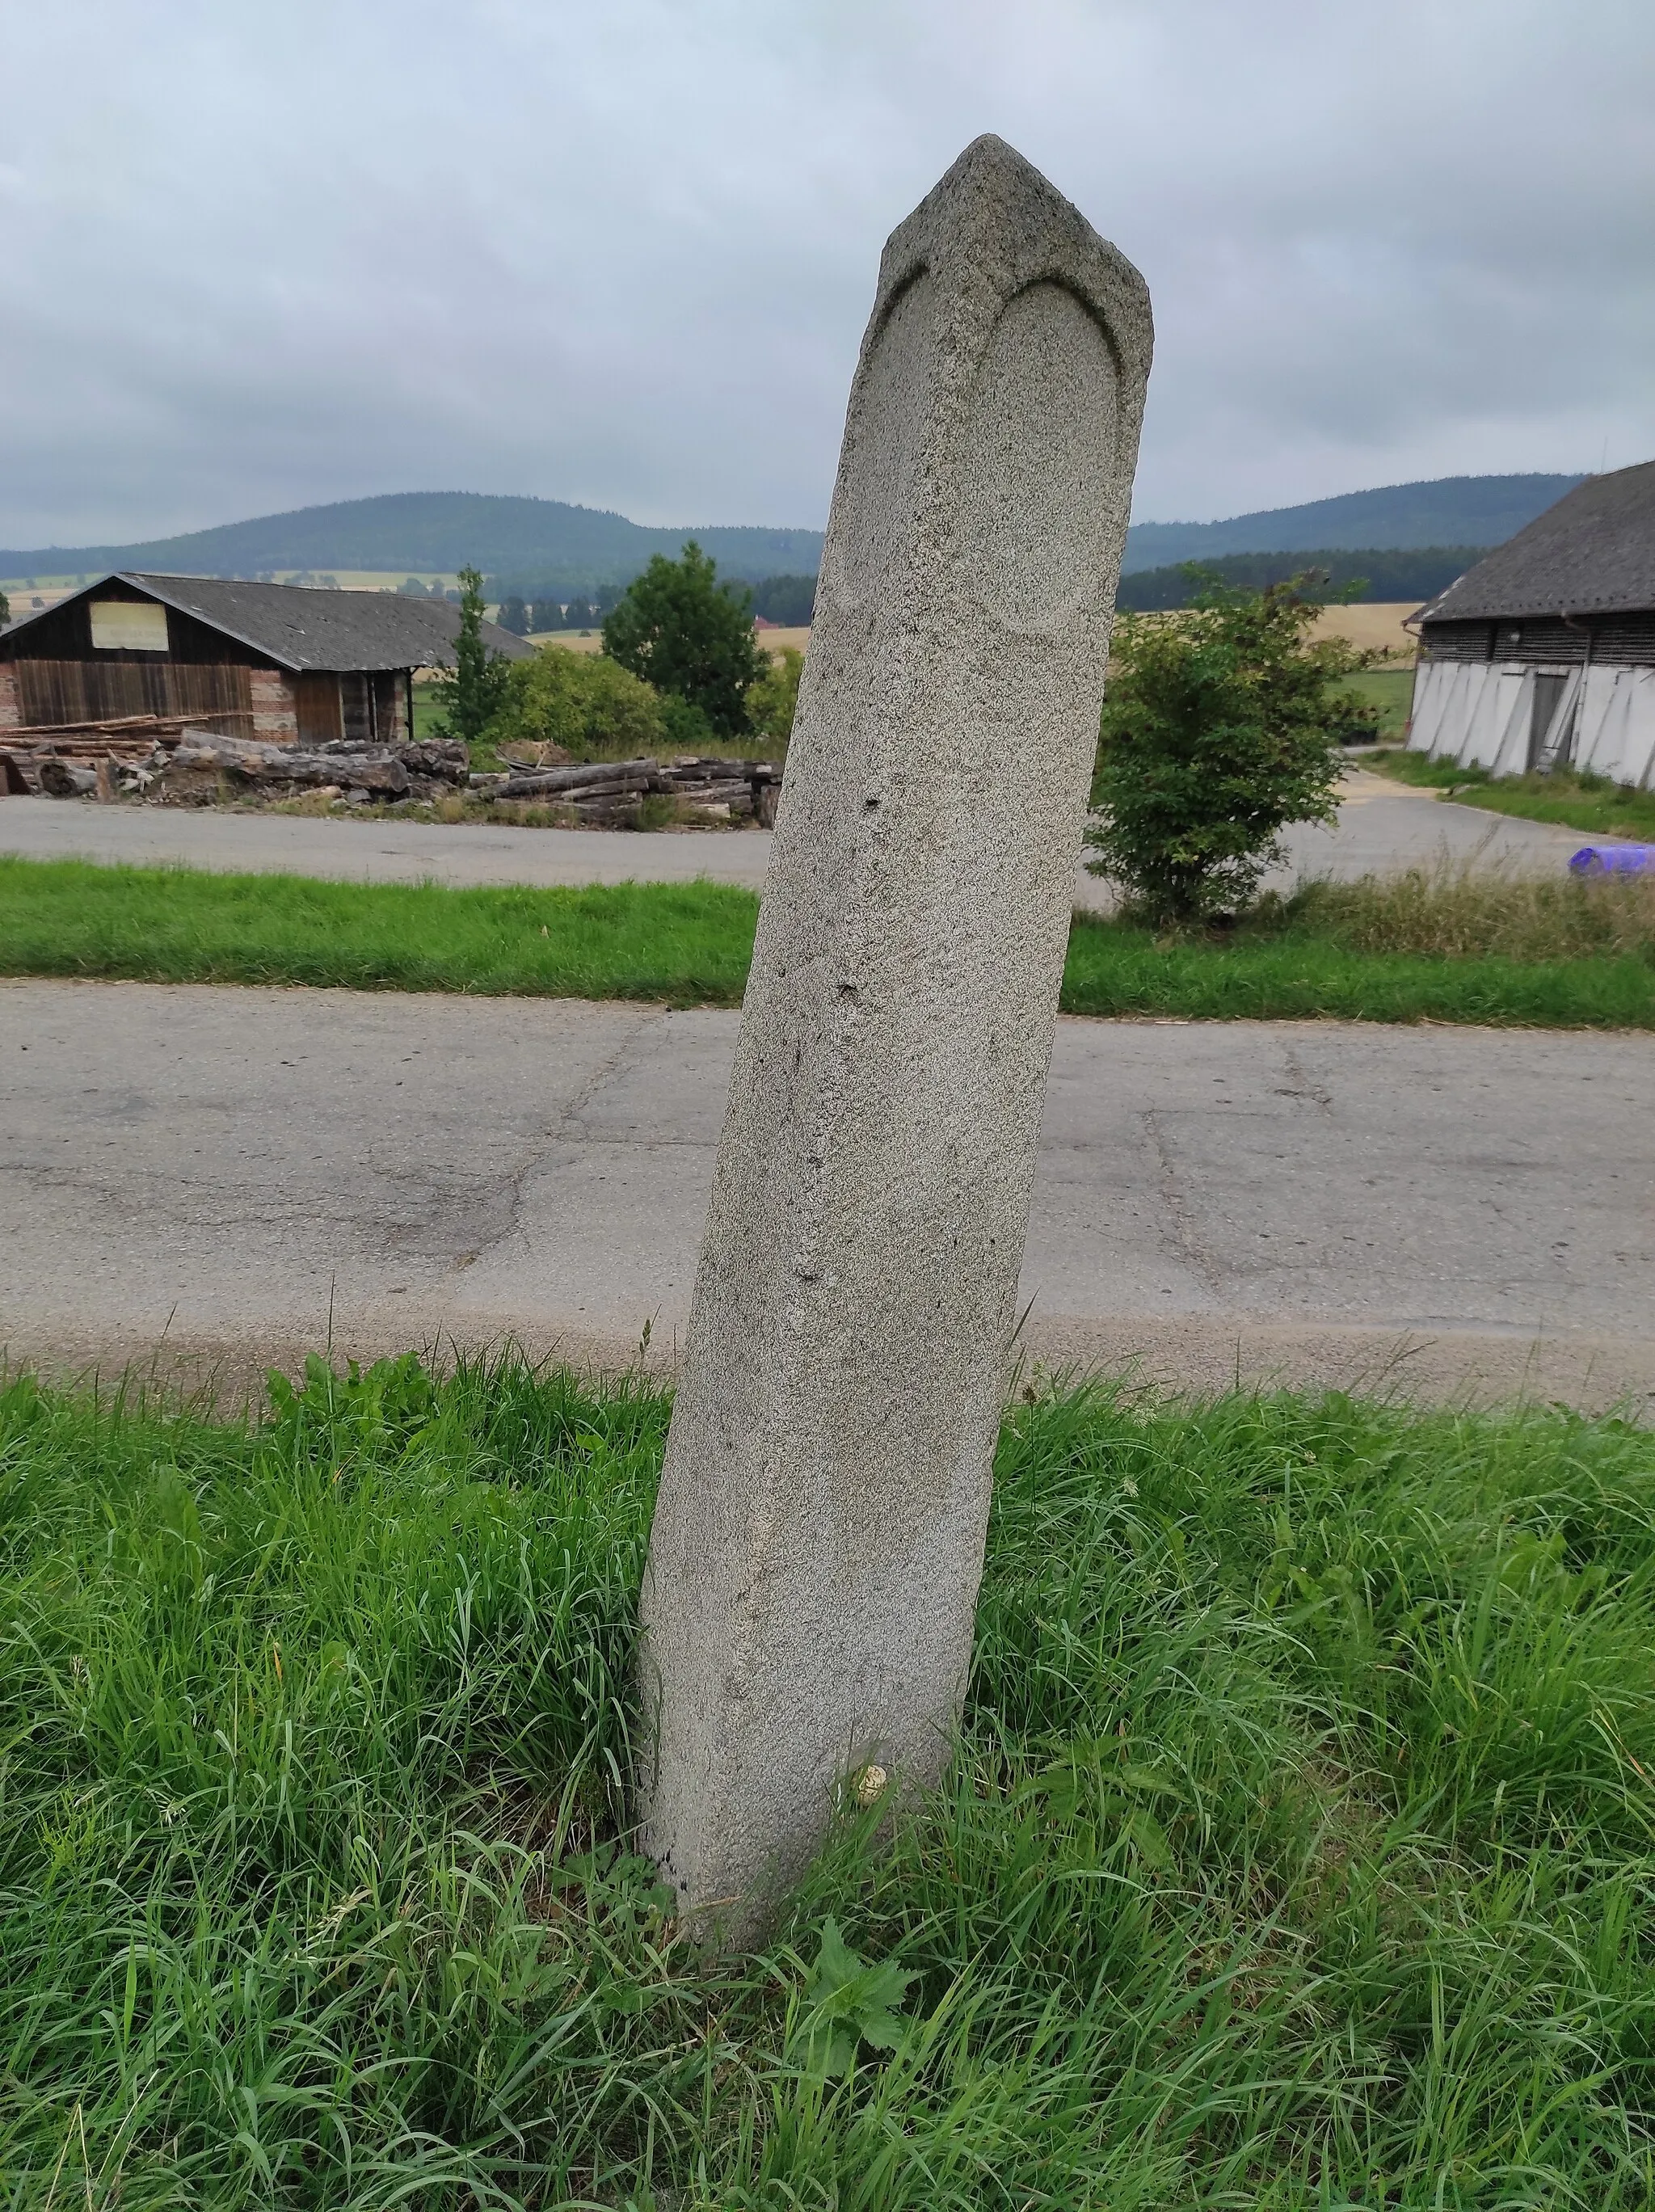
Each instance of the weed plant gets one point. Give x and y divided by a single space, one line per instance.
1467 911
1297 1851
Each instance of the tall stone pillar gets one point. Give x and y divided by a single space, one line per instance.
818 1541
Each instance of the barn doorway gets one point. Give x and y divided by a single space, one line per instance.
1549 725
316 709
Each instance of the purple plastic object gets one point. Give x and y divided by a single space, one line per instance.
1613 860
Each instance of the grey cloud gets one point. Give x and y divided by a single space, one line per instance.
253 258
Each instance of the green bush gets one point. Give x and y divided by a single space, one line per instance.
583 702
1217 732
688 730
772 701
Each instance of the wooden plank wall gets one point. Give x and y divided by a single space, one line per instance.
59 693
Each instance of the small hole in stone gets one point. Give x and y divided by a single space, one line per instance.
871 807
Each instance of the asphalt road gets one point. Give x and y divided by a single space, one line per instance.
218 1176
1381 825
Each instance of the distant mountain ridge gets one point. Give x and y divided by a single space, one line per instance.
545 540
546 544
1460 511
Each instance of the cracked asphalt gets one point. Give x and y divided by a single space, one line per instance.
217 1179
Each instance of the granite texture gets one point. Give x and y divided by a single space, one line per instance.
818 1541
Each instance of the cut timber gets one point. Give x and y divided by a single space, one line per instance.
242 756
62 779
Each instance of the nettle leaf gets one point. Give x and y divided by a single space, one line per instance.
850 2001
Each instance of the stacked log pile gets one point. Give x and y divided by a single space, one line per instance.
600 791
189 766
376 771
188 763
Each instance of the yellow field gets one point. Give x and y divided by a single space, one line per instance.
574 640
1373 629
1376 628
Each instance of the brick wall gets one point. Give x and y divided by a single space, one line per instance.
276 718
9 712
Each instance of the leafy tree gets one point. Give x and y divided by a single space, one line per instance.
5 608
584 704
772 701
1217 731
514 616
679 628
473 695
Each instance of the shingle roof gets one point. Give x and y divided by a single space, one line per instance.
1593 553
302 627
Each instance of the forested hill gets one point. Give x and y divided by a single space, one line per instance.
1457 511
1378 573
547 543
435 532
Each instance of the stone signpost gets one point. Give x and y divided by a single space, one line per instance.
813 1572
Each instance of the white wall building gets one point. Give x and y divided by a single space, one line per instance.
1544 655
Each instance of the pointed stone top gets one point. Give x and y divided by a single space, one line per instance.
992 213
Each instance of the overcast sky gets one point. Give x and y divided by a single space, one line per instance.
257 257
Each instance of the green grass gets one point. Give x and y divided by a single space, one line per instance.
1575 800
1298 1851
1301 974
1467 950
685 943
427 712
1389 689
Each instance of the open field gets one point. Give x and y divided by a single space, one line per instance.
1389 689
51 589
1558 953
1377 627
1295 1853
579 641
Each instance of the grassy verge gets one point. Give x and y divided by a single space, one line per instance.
685 943
1445 948
1577 801
1299 1851
1300 974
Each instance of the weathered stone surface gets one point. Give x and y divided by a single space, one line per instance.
807 1609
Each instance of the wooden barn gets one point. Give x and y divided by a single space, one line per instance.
134 656
1544 655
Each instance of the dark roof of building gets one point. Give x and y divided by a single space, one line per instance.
1593 553
303 627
